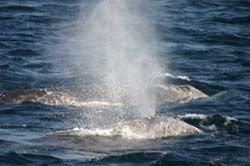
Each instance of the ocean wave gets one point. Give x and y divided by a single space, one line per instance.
178 159
28 159
233 20
3 45
22 52
44 19
17 8
135 157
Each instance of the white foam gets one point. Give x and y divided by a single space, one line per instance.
203 116
180 77
200 116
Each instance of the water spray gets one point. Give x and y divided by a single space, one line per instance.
117 43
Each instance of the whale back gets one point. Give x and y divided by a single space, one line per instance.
163 94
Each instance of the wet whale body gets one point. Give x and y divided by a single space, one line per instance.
154 127
98 96
148 128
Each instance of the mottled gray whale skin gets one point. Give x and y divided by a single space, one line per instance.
177 93
156 127
163 94
20 96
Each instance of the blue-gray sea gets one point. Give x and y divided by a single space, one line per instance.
202 43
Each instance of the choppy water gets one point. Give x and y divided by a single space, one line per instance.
204 44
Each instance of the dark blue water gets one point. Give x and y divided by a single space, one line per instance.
206 41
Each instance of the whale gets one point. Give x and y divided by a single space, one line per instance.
164 94
136 128
157 127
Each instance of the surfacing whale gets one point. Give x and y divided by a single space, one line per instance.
98 96
147 128
156 127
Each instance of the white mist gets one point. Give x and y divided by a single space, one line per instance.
117 43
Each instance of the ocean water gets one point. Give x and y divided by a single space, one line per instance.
203 118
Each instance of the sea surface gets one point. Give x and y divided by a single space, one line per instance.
202 43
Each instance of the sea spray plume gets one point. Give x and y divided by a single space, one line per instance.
117 43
